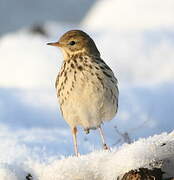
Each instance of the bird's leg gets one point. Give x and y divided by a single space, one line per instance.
103 139
74 133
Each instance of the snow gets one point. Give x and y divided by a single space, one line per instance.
156 151
135 14
34 137
143 57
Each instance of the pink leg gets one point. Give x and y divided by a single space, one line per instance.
74 133
103 139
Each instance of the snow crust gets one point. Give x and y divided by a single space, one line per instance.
156 151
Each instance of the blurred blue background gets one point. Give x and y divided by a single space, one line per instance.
22 13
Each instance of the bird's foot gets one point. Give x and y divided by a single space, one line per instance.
86 130
105 147
77 154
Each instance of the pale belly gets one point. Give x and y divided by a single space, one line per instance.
89 104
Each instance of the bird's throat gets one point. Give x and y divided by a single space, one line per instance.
70 54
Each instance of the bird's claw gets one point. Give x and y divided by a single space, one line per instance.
105 147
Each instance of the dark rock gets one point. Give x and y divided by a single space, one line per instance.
38 29
29 177
144 174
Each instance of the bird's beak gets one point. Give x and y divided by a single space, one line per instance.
54 44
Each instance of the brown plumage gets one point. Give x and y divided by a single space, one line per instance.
86 87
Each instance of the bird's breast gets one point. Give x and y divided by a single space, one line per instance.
85 92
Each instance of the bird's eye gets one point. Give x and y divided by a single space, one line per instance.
72 43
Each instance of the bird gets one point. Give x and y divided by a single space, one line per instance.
86 87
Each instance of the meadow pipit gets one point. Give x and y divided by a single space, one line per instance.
86 87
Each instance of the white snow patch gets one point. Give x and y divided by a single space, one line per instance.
26 61
152 152
134 14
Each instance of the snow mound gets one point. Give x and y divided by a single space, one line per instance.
135 14
156 151
26 59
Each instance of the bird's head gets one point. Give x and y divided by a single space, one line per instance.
74 42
